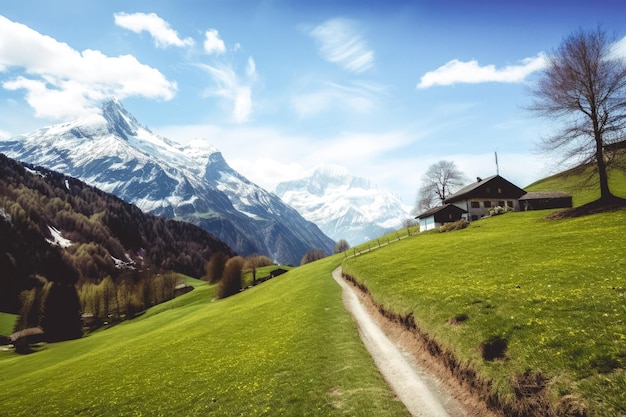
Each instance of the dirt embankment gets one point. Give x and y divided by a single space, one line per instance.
423 389
448 387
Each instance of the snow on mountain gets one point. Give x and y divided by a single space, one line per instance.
192 182
344 206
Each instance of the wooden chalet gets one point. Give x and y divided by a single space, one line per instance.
437 216
479 197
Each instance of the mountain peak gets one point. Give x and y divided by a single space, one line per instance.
191 182
118 119
342 205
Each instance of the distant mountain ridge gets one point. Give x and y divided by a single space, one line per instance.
193 182
343 205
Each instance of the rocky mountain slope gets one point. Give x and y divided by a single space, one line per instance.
344 206
193 182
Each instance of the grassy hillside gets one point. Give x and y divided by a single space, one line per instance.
552 292
284 348
582 193
7 321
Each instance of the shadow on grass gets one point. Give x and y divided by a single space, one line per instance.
598 206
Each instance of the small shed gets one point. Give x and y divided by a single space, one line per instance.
542 200
29 335
277 272
437 216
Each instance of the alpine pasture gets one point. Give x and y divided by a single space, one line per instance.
533 309
550 295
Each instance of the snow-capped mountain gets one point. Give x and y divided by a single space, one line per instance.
193 182
344 206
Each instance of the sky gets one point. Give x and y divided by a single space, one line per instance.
382 88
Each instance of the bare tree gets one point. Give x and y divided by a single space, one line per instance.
341 246
312 256
440 180
255 261
231 278
584 86
214 267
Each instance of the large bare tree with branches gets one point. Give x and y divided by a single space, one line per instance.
583 86
440 180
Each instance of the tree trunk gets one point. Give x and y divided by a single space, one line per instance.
605 193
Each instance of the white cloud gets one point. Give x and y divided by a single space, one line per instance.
340 44
268 156
267 172
456 71
61 82
158 28
4 134
229 87
619 48
212 42
251 68
249 149
358 97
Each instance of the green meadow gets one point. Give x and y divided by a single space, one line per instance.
283 348
554 291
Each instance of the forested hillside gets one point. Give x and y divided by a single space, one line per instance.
56 228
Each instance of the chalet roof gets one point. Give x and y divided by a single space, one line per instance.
541 195
435 210
475 189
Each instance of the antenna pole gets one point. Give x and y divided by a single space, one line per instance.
497 166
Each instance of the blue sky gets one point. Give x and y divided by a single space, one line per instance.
382 88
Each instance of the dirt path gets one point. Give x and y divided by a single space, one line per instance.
420 392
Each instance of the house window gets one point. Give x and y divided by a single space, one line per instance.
501 203
450 216
499 190
509 203
487 204
487 190
475 204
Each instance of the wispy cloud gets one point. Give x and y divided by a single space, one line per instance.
619 48
341 44
229 86
213 44
455 71
158 28
357 97
61 82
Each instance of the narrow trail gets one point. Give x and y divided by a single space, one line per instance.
420 392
